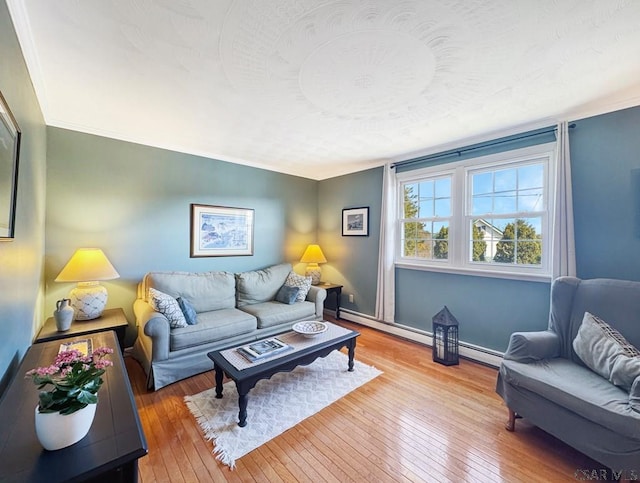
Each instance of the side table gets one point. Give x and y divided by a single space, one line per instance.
111 319
336 289
108 453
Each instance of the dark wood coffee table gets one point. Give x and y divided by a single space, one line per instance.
246 379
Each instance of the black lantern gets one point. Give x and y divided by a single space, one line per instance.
445 338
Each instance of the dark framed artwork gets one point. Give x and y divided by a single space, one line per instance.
355 221
221 231
9 157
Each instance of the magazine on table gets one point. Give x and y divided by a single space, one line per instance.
81 345
263 348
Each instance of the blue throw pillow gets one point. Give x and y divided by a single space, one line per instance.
287 295
188 311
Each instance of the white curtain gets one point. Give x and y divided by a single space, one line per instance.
563 254
385 295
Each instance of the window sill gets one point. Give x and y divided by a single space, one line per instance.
527 277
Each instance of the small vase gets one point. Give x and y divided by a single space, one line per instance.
63 315
57 431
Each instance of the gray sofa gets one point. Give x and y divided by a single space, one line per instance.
543 379
231 309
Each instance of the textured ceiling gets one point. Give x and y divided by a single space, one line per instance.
322 88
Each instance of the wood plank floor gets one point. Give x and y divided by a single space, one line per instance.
419 421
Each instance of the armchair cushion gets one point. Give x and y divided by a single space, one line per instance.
605 351
634 395
577 389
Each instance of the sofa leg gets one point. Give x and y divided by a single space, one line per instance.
511 422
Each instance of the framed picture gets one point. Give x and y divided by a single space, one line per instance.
9 155
220 231
355 221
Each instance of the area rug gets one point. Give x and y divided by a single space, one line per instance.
275 405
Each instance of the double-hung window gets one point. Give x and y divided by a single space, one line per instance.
488 215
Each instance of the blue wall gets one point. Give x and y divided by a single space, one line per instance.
605 164
21 260
351 260
605 153
133 201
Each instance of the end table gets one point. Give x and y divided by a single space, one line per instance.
111 319
333 288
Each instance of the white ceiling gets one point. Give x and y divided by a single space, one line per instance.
320 88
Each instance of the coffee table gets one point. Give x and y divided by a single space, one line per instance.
247 378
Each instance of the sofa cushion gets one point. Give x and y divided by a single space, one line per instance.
274 313
212 326
577 389
167 306
604 350
205 290
303 283
188 311
259 286
287 295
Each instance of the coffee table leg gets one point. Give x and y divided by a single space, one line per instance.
243 399
219 374
352 351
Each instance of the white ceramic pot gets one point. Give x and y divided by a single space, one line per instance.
57 431
63 315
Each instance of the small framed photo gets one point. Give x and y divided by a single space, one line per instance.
355 221
220 231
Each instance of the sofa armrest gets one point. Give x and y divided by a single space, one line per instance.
155 326
533 346
318 296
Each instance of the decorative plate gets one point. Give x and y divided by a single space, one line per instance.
310 328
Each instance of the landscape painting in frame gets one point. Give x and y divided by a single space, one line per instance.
9 154
355 221
219 231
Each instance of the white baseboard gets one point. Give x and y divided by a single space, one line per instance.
467 350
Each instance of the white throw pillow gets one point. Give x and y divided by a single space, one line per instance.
167 306
303 283
605 351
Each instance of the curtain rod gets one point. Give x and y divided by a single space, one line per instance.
473 148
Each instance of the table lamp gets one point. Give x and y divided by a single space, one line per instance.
312 256
87 266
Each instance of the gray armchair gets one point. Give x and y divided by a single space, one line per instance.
543 380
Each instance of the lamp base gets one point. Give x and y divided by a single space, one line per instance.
315 272
88 300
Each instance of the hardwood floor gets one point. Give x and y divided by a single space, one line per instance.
419 421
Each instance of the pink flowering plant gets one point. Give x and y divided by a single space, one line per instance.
75 380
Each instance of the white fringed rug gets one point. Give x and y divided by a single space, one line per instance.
275 405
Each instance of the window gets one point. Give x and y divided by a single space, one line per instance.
425 221
488 215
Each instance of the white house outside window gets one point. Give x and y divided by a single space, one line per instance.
488 215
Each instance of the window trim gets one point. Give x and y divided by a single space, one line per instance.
459 232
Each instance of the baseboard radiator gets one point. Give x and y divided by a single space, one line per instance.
468 351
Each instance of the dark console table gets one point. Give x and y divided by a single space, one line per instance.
108 453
